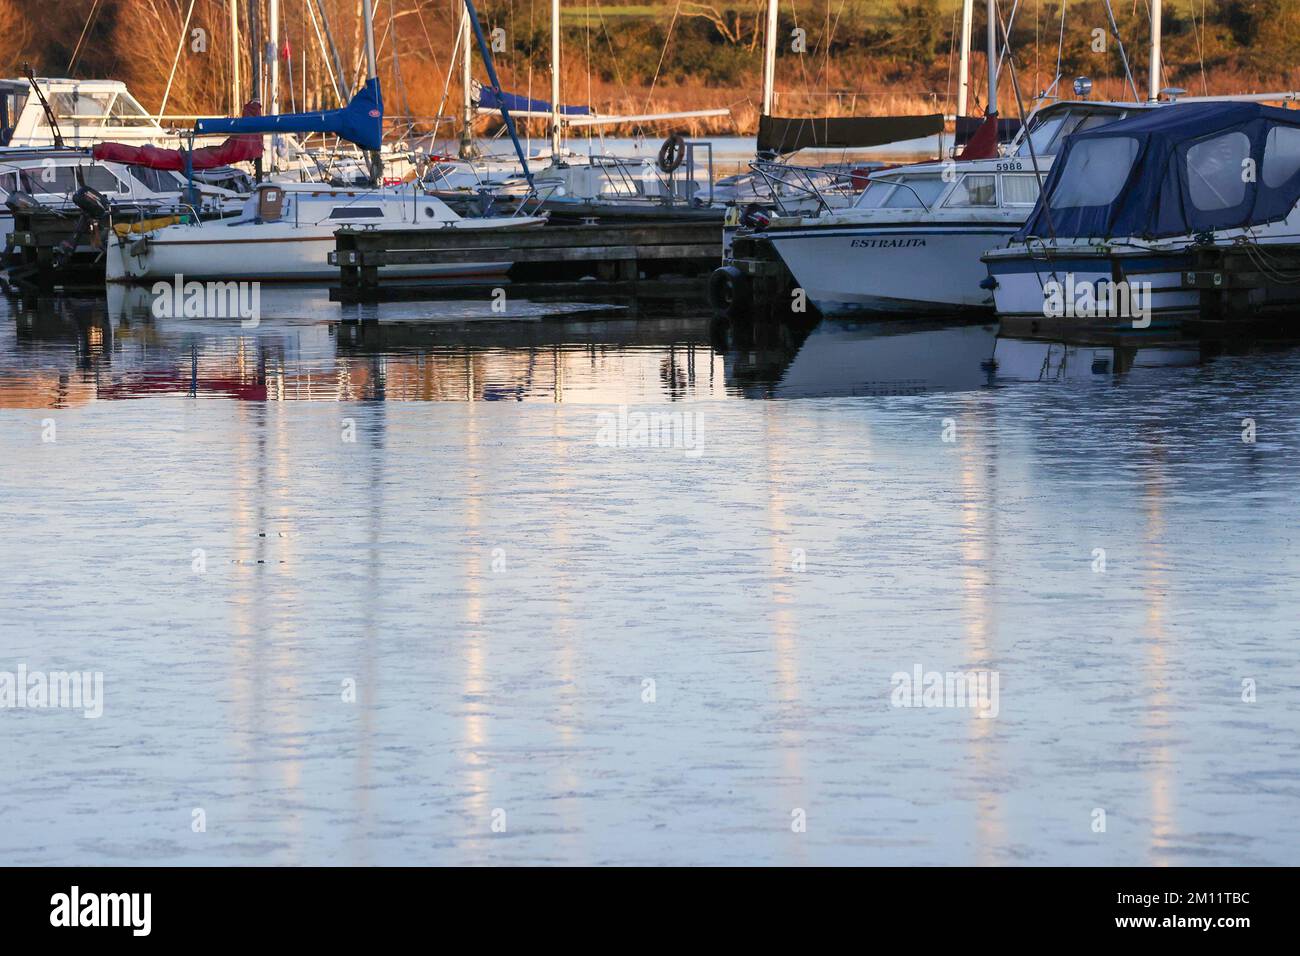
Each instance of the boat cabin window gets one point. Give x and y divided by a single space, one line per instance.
97 177
1281 155
9 182
356 212
11 108
1019 189
48 179
1095 173
1216 172
974 189
156 180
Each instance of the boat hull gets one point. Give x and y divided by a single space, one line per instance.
1024 287
292 255
923 269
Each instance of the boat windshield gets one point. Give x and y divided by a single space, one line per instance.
1048 135
99 109
915 191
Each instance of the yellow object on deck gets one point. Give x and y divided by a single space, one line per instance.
144 225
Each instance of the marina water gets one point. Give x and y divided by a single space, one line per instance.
384 592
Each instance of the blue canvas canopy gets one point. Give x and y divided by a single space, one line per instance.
489 100
360 122
1174 170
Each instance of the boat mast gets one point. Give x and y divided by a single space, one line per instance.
273 57
273 72
337 74
993 57
235 104
1154 93
555 80
467 150
769 58
255 65
372 73
963 65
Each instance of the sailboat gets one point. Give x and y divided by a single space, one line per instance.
580 186
286 230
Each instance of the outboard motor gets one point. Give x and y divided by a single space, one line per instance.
91 202
19 201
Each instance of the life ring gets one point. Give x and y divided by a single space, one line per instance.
672 153
730 293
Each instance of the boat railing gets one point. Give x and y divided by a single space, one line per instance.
815 182
617 171
538 195
141 212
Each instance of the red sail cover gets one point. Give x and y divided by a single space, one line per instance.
984 143
235 149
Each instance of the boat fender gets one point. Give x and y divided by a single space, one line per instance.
729 292
672 153
989 282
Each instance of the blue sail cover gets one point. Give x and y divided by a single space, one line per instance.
360 122
488 100
1174 170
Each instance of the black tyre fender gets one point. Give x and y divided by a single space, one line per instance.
730 292
672 153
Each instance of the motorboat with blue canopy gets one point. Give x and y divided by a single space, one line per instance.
1192 169
1187 212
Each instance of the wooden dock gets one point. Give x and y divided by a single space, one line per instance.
32 258
624 254
1245 283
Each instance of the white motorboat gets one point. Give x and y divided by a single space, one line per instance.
286 232
912 240
86 112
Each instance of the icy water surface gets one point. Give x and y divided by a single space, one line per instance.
424 590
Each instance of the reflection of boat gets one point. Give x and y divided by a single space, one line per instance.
843 357
1047 360
1137 206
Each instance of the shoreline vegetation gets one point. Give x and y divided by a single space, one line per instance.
853 57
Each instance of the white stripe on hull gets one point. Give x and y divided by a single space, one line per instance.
1022 294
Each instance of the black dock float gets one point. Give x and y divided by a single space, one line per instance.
1245 283
622 255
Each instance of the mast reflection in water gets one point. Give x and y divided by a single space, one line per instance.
233 523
